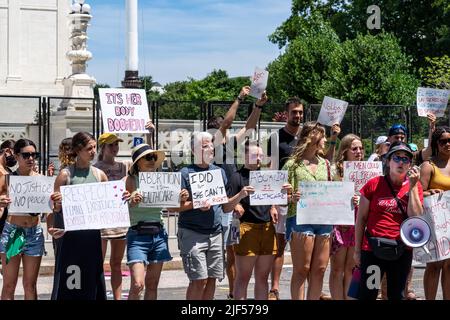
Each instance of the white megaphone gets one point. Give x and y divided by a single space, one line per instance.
415 232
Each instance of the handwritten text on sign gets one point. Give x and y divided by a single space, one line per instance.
30 194
207 188
268 184
359 172
124 110
325 202
437 214
93 206
259 82
332 111
160 189
432 101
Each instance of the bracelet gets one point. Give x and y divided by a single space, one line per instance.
240 99
258 106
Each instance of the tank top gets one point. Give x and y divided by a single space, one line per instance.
438 180
143 214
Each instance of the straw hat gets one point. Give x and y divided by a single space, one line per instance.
141 150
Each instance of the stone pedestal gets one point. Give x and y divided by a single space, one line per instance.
78 86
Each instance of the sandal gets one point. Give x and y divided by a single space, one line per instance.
274 295
411 295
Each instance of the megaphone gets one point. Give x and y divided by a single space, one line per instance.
415 232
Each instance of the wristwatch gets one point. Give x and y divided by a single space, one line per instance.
240 99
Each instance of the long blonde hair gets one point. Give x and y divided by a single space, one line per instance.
309 130
344 146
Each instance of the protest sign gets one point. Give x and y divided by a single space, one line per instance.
93 206
432 101
437 214
160 189
30 194
259 82
325 202
332 111
268 184
124 110
207 188
359 172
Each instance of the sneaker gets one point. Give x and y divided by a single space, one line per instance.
324 296
274 295
230 296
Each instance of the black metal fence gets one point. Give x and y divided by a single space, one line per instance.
366 121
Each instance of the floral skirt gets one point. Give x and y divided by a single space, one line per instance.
342 236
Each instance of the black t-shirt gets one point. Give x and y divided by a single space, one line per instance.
252 214
227 151
286 145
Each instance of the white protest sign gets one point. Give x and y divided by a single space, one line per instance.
207 188
259 82
160 189
124 110
325 202
268 184
332 111
432 101
93 206
359 172
437 214
30 194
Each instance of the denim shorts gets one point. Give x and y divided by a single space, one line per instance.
34 239
309 229
146 249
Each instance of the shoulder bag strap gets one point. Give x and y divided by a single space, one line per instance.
396 198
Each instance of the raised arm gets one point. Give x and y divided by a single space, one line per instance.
254 116
220 134
414 204
151 131
426 153
335 130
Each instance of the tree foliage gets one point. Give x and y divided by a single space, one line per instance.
436 73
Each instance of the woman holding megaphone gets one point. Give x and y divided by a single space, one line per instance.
385 202
435 178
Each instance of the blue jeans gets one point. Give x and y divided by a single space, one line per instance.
34 239
146 249
309 229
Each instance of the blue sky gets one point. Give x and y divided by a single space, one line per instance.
185 38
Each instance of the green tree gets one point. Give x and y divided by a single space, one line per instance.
436 73
422 26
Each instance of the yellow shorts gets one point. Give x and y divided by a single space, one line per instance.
256 239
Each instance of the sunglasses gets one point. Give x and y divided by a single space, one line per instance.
443 142
398 159
151 157
34 155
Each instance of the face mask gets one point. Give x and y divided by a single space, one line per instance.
10 161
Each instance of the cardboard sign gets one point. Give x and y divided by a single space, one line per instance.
30 194
160 189
259 82
207 188
332 111
268 184
325 202
437 214
124 110
359 172
93 206
432 101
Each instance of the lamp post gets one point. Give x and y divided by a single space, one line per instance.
131 79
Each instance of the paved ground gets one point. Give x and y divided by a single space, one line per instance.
173 285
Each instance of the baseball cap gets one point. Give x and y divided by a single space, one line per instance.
397 129
108 138
413 147
380 140
399 146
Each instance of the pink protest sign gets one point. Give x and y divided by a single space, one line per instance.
124 110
